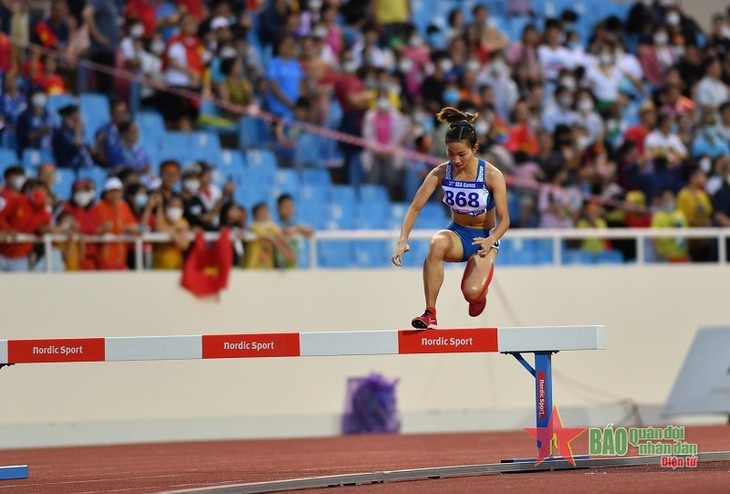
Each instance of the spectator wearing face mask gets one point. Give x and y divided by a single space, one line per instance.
560 112
14 177
69 147
113 215
711 91
708 141
26 213
434 85
588 119
143 204
170 220
80 206
34 126
552 55
656 57
386 127
194 211
666 215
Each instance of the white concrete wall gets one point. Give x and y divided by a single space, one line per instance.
651 314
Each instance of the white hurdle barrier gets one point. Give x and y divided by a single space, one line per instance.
542 341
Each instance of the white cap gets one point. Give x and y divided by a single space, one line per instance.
219 22
113 183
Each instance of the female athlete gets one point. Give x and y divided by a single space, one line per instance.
477 195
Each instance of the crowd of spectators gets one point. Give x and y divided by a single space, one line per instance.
630 108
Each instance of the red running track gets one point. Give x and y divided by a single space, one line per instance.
150 468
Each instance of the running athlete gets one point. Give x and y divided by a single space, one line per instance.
477 195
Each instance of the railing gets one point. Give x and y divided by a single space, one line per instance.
557 238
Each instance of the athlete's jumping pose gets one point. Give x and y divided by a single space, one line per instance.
474 190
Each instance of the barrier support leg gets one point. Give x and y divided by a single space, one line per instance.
542 372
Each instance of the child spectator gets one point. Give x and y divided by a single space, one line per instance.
669 249
270 242
591 218
171 221
286 211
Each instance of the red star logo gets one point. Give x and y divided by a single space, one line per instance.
555 437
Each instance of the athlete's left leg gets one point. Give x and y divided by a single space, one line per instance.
476 279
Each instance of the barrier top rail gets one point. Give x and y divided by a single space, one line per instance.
333 343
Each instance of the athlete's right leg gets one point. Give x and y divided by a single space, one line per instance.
445 246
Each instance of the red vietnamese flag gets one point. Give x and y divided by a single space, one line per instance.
46 35
207 268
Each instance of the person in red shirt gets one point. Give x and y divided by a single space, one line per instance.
81 206
354 98
27 213
637 134
114 216
520 136
48 79
14 179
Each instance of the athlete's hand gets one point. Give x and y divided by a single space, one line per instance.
484 244
400 249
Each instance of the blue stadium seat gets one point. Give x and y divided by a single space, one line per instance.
341 218
231 165
372 253
373 216
343 195
308 151
204 146
315 215
151 129
373 193
609 257
33 158
335 253
397 211
314 194
316 176
287 181
8 158
95 105
65 179
575 257
248 196
261 166
433 217
253 132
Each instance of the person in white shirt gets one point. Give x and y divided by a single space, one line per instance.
663 143
560 111
605 78
554 57
587 118
711 92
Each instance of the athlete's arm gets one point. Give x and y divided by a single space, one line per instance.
429 185
499 192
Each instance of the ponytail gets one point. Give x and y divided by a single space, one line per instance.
461 125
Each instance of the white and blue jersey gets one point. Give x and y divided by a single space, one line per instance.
472 198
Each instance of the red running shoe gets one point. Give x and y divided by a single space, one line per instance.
426 321
476 308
